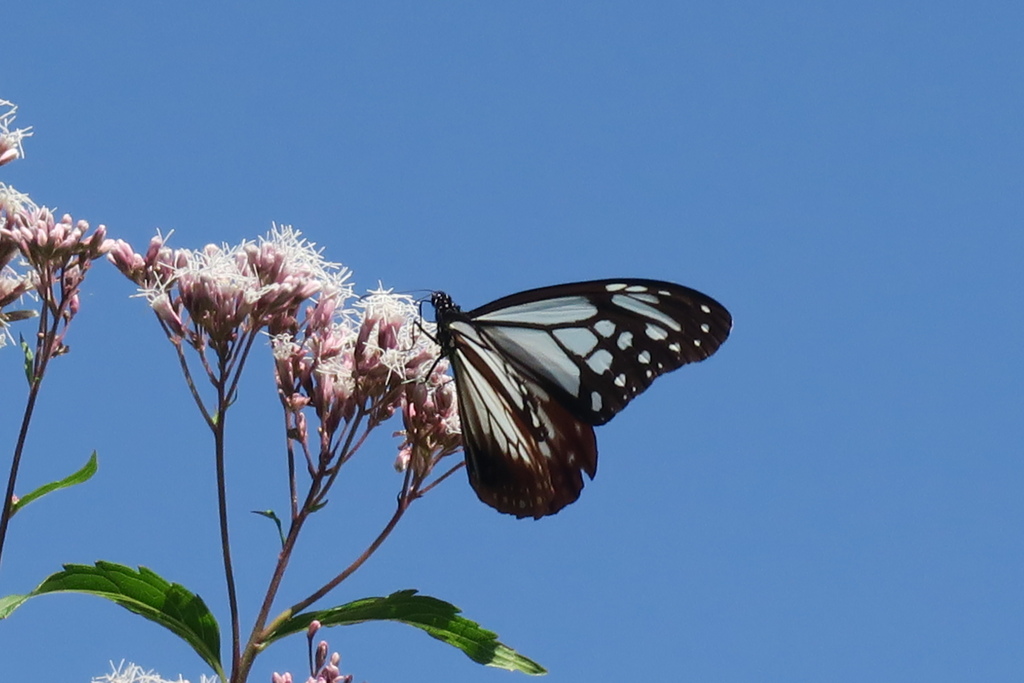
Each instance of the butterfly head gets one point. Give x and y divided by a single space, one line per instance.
442 303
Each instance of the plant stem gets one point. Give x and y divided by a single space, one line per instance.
222 510
45 349
5 516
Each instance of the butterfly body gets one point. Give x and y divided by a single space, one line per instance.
537 370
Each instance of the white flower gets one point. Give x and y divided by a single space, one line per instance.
10 140
133 673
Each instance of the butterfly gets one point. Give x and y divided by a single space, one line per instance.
536 371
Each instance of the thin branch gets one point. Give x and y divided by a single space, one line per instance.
404 499
423 491
190 382
239 361
334 471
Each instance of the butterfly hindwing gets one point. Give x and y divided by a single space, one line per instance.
525 453
536 370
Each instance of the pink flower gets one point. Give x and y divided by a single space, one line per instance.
154 271
431 417
50 245
59 254
324 670
221 292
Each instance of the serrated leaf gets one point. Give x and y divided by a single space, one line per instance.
82 475
143 592
438 618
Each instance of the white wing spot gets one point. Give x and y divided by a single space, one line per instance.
625 340
600 361
620 380
636 288
696 342
649 373
615 287
704 308
705 328
580 341
605 328
647 298
655 332
674 347
595 403
644 357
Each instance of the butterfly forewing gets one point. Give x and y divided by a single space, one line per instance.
536 369
599 344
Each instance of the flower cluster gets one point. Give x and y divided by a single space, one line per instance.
324 670
377 358
13 208
58 254
13 286
349 361
48 245
154 272
430 414
215 294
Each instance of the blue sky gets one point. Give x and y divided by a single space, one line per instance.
835 496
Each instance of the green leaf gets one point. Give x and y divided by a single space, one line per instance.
82 475
438 618
9 603
270 514
142 592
